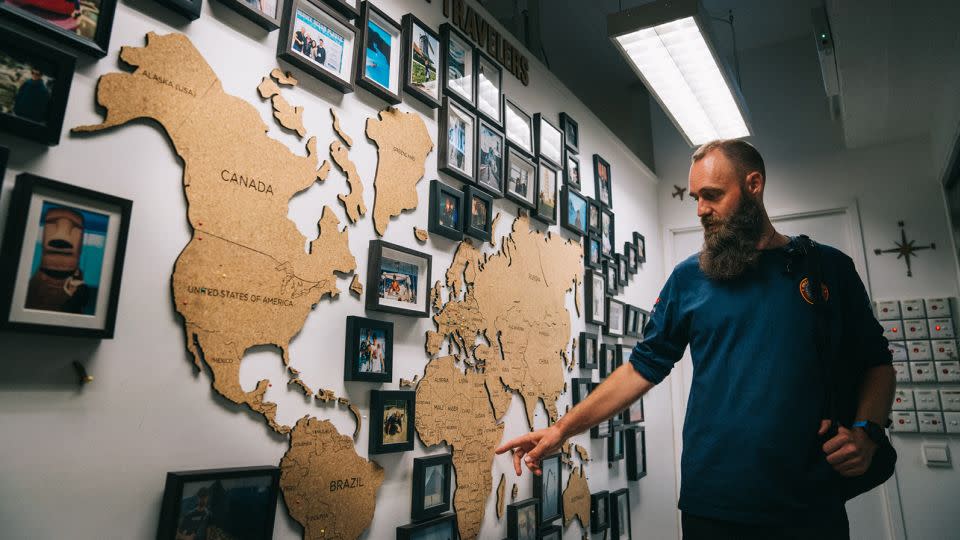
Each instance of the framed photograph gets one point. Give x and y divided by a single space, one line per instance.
571 170
606 232
441 527
615 446
431 486
641 243
401 278
457 131
188 8
573 210
571 132
392 415
593 221
37 84
608 359
620 515
318 40
350 9
602 181
587 346
236 503
644 317
634 321
595 286
599 512
83 26
523 520
378 57
521 179
551 532
4 157
610 274
490 145
622 274
615 318
592 258
549 140
635 440
478 210
421 61
62 259
546 192
368 352
457 54
630 256
489 89
263 13
446 204
518 125
547 488
581 387
634 413
603 429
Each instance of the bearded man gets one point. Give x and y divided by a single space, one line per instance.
759 459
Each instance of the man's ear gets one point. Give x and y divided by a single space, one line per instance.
754 183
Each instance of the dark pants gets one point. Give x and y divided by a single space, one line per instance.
831 527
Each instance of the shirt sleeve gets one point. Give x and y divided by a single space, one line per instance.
866 333
665 336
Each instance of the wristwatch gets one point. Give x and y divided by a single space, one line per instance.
873 430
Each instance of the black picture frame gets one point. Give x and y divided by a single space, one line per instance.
620 514
607 361
518 126
447 161
518 515
587 354
33 198
438 220
411 24
599 511
354 345
602 430
255 16
631 327
592 257
518 162
611 329
630 255
190 9
254 518
418 509
580 387
635 439
610 275
593 218
548 488
349 9
413 531
335 22
571 132
634 414
615 445
484 64
368 12
645 316
641 244
603 188
449 35
96 45
380 250
4 159
379 400
593 300
548 141
622 274
490 171
607 232
572 171
51 62
573 200
546 172
551 532
474 198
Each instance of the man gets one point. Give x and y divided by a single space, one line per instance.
32 98
193 526
755 460
321 53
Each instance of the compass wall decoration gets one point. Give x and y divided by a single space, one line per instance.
905 248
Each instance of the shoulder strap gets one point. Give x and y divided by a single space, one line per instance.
812 257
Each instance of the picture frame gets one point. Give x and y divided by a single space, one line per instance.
381 41
571 132
491 145
62 259
521 181
547 181
592 258
254 490
431 486
599 511
368 350
610 274
587 350
551 532
392 417
518 126
489 88
594 285
4 158
40 66
398 279
573 214
477 213
457 130
457 77
602 181
86 30
190 9
444 526
620 514
601 430
615 318
644 317
630 255
607 232
349 9
307 24
580 387
421 61
607 361
548 488
622 274
446 216
634 413
548 141
635 439
523 519
615 446
633 326
593 218
258 16
571 169
641 244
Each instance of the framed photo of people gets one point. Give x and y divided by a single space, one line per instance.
445 214
518 126
602 181
547 487
398 279
521 179
317 39
547 176
594 287
490 146
588 350
263 13
477 210
458 127
431 486
641 243
458 71
378 58
571 132
620 515
581 387
440 527
599 512
350 9
523 520
224 503
38 84
635 440
592 258
573 211
392 417
606 232
548 139
62 259
489 89
368 352
83 26
571 170
615 318
421 61
188 8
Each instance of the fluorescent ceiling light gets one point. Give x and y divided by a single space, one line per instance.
669 49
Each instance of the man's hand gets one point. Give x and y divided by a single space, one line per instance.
849 452
532 447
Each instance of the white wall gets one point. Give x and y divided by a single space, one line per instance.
90 462
808 170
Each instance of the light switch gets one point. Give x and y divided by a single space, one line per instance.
892 330
904 421
913 309
903 371
938 307
936 455
922 372
948 371
944 349
887 310
930 422
941 328
903 400
952 421
919 350
926 400
898 350
915 329
950 399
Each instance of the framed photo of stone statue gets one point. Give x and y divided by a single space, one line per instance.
432 477
368 351
547 487
62 259
392 416
81 26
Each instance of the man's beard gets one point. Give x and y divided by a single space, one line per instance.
730 246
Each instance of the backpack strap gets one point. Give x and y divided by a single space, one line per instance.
814 269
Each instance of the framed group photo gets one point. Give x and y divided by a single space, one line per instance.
83 26
456 132
521 179
398 279
457 54
547 176
547 488
490 158
432 477
392 417
319 40
378 57
489 89
518 126
445 214
421 61
368 351
573 211
263 13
